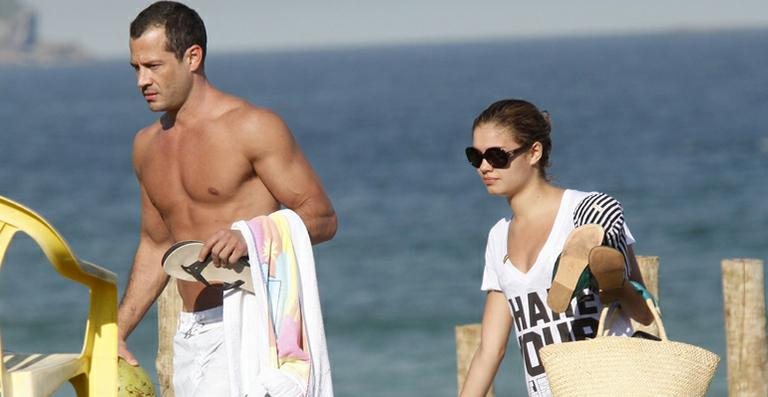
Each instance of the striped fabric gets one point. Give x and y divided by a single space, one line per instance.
606 211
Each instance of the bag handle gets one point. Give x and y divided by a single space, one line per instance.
611 309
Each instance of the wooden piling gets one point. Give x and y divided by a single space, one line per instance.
649 269
744 309
168 308
467 342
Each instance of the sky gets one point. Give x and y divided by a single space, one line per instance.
101 27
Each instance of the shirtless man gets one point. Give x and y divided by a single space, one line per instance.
210 160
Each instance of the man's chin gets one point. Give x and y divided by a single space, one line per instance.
156 107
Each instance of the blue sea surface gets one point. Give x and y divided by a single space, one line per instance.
674 125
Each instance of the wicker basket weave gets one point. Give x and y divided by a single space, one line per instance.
623 366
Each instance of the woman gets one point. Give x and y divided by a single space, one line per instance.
552 233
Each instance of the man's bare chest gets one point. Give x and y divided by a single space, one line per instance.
174 177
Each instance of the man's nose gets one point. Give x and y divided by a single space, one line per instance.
142 78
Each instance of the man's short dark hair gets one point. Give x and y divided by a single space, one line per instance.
183 26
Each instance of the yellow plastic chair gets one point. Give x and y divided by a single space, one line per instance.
92 372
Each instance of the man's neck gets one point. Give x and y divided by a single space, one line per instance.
190 109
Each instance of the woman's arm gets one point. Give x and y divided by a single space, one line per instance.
496 325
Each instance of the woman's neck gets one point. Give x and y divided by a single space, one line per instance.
533 199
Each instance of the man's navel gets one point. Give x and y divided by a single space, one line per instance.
213 191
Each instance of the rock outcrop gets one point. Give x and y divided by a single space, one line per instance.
19 41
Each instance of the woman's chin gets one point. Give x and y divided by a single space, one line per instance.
495 190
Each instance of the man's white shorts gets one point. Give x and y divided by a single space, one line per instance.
199 355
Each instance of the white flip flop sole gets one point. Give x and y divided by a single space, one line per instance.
180 262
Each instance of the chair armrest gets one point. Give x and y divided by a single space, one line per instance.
98 272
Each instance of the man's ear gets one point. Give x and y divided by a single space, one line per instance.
194 58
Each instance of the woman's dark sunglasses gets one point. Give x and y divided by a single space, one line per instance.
496 156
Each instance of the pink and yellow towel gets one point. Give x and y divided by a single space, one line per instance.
275 338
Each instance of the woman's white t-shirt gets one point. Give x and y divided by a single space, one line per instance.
535 323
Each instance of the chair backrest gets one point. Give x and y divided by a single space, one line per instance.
15 217
3 375
6 233
100 340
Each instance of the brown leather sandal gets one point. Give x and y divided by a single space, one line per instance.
573 261
607 267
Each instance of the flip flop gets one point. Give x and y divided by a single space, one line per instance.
573 261
180 261
607 267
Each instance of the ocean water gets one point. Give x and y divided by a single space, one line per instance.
674 125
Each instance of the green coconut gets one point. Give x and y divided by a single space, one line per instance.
133 381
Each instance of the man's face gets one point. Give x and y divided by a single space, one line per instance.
162 79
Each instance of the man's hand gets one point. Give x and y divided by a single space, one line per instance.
225 247
125 354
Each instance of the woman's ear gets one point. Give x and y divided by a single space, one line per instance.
535 153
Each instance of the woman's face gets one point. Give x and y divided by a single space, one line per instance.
508 180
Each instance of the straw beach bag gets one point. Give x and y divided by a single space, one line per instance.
624 366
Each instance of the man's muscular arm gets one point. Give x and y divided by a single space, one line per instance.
281 165
147 278
268 145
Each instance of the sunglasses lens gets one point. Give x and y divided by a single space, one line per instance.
497 157
474 156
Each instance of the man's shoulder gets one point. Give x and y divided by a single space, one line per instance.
247 117
145 134
234 107
152 128
142 141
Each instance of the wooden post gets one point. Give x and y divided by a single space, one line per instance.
467 342
649 269
168 308
744 307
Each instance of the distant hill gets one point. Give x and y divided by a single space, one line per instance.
19 41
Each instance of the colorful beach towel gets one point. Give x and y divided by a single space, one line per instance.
274 337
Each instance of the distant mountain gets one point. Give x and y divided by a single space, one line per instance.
19 41
8 7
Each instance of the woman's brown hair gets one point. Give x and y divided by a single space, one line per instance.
524 121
